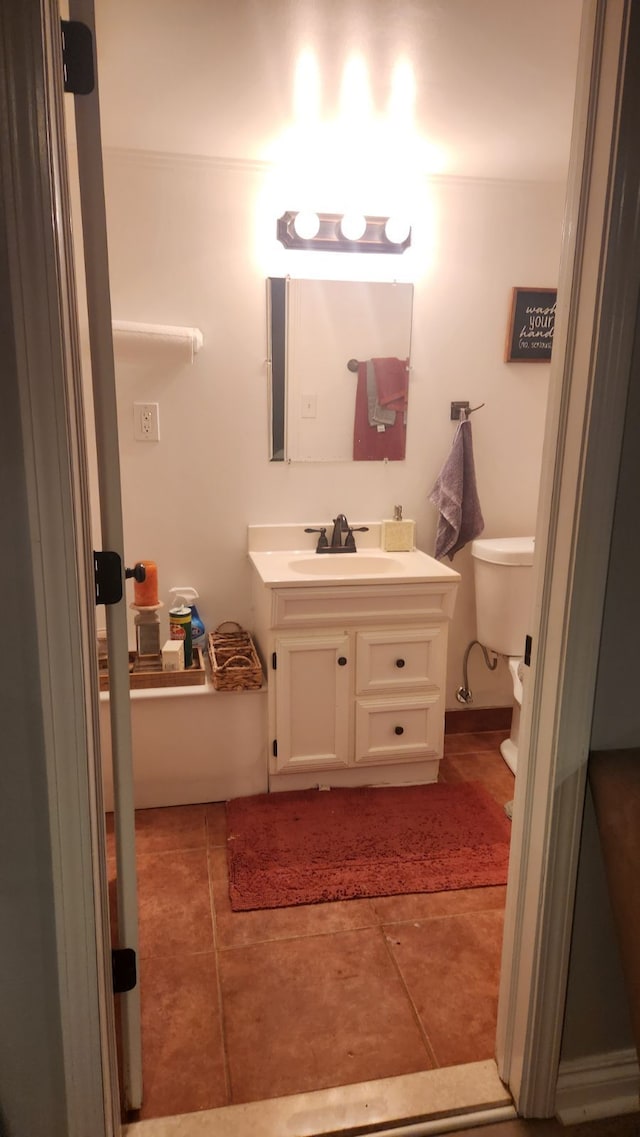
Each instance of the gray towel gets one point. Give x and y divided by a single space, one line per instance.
378 416
456 496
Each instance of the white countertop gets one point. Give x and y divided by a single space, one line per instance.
305 568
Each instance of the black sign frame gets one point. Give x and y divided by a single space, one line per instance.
531 325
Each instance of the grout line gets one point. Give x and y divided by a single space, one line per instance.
415 920
414 1011
221 1011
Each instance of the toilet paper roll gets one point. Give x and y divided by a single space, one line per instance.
134 342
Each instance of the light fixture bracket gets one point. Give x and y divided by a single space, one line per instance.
329 237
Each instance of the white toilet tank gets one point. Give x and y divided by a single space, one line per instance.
502 569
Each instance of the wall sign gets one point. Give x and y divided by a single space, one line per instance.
530 331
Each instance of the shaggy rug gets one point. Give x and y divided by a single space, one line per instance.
310 846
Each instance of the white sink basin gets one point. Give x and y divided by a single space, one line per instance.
345 564
302 568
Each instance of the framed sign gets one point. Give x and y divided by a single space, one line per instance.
530 331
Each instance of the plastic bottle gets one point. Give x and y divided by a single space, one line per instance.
186 597
180 623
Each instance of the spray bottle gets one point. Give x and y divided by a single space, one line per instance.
185 598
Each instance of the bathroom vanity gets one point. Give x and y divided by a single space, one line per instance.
355 649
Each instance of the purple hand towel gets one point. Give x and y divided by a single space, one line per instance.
456 496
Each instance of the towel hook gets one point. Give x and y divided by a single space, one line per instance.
463 406
353 365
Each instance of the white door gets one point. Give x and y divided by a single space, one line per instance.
94 237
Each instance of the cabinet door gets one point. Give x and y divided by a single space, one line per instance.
398 730
400 660
312 695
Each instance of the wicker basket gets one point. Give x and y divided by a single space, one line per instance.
234 661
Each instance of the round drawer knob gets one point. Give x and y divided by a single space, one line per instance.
342 659
399 662
399 729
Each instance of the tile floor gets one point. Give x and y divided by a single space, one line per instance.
239 1007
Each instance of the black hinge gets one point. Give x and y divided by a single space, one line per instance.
107 574
77 57
274 660
274 748
528 644
123 967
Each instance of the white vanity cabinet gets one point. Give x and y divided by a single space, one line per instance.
356 675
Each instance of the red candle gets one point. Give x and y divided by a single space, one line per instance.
145 593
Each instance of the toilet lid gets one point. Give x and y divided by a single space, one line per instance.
504 550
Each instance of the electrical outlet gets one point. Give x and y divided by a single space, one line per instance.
146 422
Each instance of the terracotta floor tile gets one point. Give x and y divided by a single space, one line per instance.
312 1013
488 769
182 1054
451 967
216 816
427 905
174 903
474 743
237 929
165 830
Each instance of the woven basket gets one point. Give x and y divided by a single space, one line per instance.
235 665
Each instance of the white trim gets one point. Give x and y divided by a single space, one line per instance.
590 372
171 159
603 1085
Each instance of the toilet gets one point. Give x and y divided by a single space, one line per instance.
503 577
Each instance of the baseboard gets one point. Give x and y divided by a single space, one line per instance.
474 719
604 1085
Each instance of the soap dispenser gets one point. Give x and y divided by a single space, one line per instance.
399 535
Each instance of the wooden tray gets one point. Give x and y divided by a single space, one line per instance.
146 671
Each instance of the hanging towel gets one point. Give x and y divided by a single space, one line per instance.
456 496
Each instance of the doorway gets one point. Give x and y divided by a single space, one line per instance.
121 177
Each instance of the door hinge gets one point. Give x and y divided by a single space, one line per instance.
274 661
274 748
123 968
107 574
77 57
528 644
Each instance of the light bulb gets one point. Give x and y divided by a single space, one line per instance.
396 230
353 226
306 225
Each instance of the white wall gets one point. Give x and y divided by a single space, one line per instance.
183 250
493 79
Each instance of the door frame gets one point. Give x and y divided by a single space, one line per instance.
581 458
593 343
39 290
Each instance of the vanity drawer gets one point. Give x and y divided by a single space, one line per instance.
398 729
361 604
400 660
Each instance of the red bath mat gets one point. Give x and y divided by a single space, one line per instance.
310 846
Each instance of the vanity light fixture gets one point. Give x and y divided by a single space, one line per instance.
348 233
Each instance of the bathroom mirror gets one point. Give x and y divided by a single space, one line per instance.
339 355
